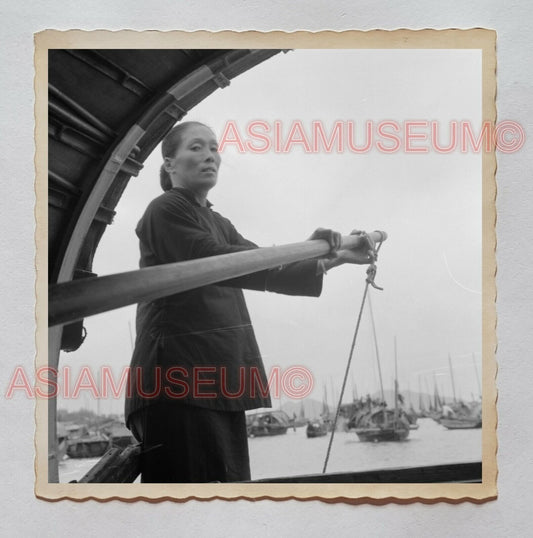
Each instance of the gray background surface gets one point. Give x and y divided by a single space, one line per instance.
510 515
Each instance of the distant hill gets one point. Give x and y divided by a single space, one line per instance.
312 408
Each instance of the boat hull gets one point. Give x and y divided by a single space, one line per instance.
375 435
123 441
87 449
267 424
266 432
381 424
312 435
316 430
460 423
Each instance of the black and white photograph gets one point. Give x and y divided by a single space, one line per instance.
269 269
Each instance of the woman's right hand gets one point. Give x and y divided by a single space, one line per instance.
362 254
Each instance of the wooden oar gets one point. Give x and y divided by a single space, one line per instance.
77 299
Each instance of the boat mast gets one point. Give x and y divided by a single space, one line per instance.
325 406
420 402
377 356
333 393
354 389
453 380
430 400
395 382
98 398
438 402
376 347
477 376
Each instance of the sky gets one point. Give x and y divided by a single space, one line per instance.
429 204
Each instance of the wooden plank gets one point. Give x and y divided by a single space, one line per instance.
456 472
117 466
102 468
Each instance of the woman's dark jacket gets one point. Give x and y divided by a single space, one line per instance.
199 347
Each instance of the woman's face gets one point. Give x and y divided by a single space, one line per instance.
196 161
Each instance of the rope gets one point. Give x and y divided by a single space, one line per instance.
371 273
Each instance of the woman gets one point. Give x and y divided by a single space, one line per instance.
196 366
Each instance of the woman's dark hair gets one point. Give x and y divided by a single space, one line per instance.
170 145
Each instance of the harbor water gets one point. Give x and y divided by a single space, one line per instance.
294 454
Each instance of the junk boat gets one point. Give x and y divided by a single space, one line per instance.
267 424
89 445
316 428
119 435
462 416
382 425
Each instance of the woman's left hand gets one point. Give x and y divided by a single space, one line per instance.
333 238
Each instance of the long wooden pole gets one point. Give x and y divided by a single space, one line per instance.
77 299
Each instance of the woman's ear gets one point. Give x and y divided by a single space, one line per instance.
168 164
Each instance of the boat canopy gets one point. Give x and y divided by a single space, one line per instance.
107 111
279 416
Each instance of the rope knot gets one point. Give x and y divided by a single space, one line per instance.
371 275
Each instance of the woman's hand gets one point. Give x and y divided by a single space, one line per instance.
359 257
363 254
333 238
